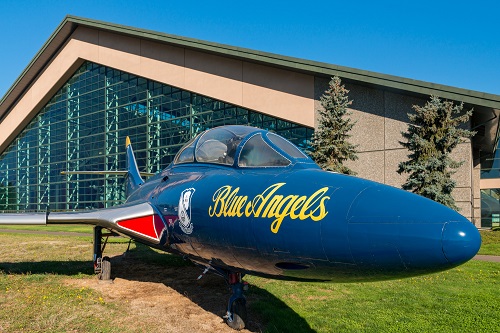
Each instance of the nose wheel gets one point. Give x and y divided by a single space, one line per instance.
236 315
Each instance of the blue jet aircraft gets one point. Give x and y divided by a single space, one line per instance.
240 200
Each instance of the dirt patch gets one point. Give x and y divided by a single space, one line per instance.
165 299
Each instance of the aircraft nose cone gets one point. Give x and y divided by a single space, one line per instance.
461 241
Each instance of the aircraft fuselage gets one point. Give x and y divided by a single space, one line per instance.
305 222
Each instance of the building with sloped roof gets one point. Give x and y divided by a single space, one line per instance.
94 83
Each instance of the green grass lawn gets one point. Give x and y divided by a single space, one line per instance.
490 243
464 299
33 297
42 303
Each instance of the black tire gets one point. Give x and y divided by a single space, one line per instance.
105 269
239 311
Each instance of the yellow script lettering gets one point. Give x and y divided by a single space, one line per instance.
269 204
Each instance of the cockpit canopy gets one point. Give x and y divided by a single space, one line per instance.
240 146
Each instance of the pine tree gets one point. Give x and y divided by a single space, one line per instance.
330 145
432 135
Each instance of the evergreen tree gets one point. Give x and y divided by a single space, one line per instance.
330 145
433 133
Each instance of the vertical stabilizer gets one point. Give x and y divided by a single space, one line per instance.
134 179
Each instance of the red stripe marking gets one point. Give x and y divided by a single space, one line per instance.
146 225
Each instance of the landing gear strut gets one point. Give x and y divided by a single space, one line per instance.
102 265
236 315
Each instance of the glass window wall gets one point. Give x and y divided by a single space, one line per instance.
490 198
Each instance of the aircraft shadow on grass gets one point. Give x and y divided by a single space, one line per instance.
69 268
143 264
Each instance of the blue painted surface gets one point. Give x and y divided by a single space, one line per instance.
133 178
297 220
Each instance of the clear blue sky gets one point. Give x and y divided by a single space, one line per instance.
455 43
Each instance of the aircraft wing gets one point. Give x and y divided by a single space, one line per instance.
138 220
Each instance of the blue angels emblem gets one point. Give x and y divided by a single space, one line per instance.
185 211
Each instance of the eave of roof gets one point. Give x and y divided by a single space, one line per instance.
70 23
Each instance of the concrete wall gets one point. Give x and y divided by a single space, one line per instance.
381 116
